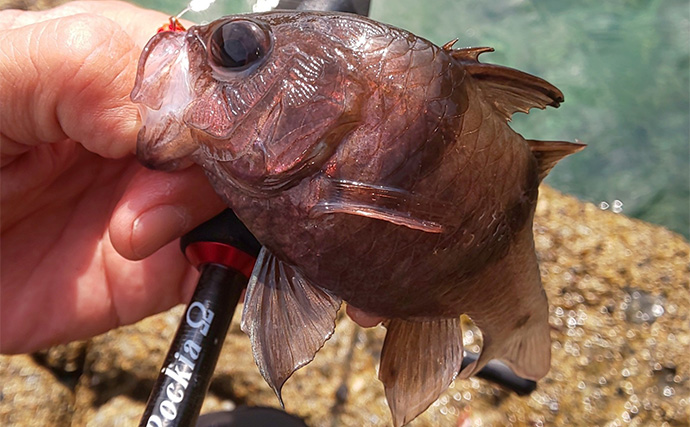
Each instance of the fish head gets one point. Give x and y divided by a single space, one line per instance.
260 101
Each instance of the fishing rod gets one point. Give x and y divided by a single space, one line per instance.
224 251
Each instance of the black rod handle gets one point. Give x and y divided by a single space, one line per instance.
224 251
180 389
499 373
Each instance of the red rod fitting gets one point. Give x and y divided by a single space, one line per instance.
200 253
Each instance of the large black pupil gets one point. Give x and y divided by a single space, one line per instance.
236 44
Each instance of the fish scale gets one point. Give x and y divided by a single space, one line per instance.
377 169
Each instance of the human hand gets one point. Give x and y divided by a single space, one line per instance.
81 219
85 230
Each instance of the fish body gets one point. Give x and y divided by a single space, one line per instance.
375 168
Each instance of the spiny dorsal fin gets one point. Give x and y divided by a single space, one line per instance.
449 45
548 153
469 53
509 90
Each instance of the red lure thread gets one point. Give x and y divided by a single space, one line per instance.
173 24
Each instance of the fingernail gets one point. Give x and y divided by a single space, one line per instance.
156 227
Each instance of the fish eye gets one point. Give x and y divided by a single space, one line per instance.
238 44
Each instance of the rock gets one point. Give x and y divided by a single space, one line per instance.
31 394
619 303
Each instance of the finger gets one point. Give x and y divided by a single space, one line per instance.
157 207
69 78
362 318
140 24
111 292
141 288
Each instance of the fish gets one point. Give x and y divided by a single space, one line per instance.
375 168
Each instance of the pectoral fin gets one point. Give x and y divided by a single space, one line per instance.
287 319
509 90
419 360
396 206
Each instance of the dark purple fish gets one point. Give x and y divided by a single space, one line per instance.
375 168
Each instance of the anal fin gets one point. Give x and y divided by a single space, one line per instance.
287 319
419 360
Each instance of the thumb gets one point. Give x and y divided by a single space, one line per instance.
69 77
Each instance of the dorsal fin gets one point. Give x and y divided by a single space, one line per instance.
509 90
468 53
449 46
548 153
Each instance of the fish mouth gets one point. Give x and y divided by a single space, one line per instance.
164 147
162 92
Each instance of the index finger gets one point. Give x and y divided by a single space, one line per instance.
140 24
69 76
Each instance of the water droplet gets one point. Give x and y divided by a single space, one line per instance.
668 391
642 307
617 206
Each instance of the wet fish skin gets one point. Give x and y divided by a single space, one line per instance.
375 168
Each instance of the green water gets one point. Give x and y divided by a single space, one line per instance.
624 66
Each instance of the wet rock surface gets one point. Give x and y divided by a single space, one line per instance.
619 310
